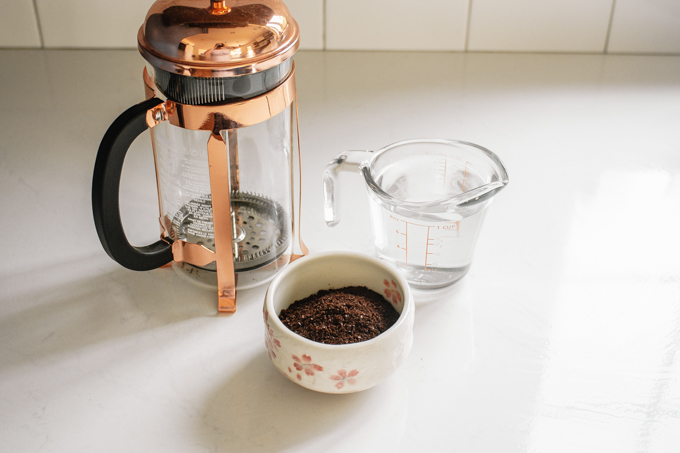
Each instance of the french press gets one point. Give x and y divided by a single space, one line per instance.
221 109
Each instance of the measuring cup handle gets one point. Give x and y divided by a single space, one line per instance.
349 161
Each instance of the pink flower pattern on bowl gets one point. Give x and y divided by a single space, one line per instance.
305 364
343 376
391 291
270 340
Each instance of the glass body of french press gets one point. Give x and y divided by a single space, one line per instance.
221 107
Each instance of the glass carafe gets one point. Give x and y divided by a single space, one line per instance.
260 195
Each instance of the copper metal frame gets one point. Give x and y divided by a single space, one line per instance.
215 119
150 92
303 247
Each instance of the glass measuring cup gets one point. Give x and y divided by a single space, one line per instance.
427 199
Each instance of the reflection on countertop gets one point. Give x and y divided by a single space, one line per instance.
563 337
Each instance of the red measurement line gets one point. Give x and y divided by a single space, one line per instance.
462 186
406 245
416 224
427 245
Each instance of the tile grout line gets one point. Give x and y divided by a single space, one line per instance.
467 28
609 28
37 22
499 52
323 24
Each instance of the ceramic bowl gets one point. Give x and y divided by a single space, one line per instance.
343 368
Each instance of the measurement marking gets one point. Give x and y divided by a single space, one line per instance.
406 249
429 241
427 245
462 186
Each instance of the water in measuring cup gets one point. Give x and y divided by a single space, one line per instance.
430 254
428 177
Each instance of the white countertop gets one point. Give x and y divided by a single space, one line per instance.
564 336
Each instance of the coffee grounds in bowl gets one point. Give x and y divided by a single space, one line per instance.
340 316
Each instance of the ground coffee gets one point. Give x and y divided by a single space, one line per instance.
340 316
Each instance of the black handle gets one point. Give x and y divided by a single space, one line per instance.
106 188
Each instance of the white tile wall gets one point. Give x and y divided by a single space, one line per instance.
309 16
80 23
83 23
539 25
396 24
645 26
636 26
18 25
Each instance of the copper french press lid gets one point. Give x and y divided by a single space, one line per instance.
204 38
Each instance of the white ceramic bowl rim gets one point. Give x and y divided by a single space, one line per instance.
274 317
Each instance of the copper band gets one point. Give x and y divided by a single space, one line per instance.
150 92
303 247
220 191
216 118
190 253
232 146
149 86
297 232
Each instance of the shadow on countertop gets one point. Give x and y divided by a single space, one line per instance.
259 410
66 307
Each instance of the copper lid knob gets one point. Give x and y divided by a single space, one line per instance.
219 7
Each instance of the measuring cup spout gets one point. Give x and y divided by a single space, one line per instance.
476 195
